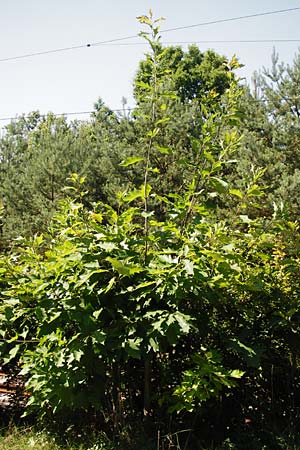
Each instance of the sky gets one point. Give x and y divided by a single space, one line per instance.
72 81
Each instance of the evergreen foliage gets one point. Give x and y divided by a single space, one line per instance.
271 133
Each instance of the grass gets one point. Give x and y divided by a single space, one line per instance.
27 439
31 439
14 438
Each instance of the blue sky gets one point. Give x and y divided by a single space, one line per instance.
72 81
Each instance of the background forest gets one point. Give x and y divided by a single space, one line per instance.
154 293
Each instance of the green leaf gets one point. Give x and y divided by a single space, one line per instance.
169 95
164 150
245 219
219 185
208 155
110 285
160 121
55 316
99 337
131 160
133 347
9 312
61 360
123 268
145 191
131 196
236 373
97 217
255 191
143 85
154 170
154 344
236 192
107 246
153 133
189 267
85 277
12 354
183 321
119 266
228 248
248 354
147 214
78 354
97 313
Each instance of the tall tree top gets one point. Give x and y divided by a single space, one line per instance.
191 73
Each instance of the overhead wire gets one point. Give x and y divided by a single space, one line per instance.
77 113
118 41
64 49
231 19
73 113
211 41
115 40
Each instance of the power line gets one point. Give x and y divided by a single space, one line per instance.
64 49
73 113
44 115
213 41
110 41
77 113
238 41
231 19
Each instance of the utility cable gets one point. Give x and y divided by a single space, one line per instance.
77 113
212 41
64 49
232 19
109 41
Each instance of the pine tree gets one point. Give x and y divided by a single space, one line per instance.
271 129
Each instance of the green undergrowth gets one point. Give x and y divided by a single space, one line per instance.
27 438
